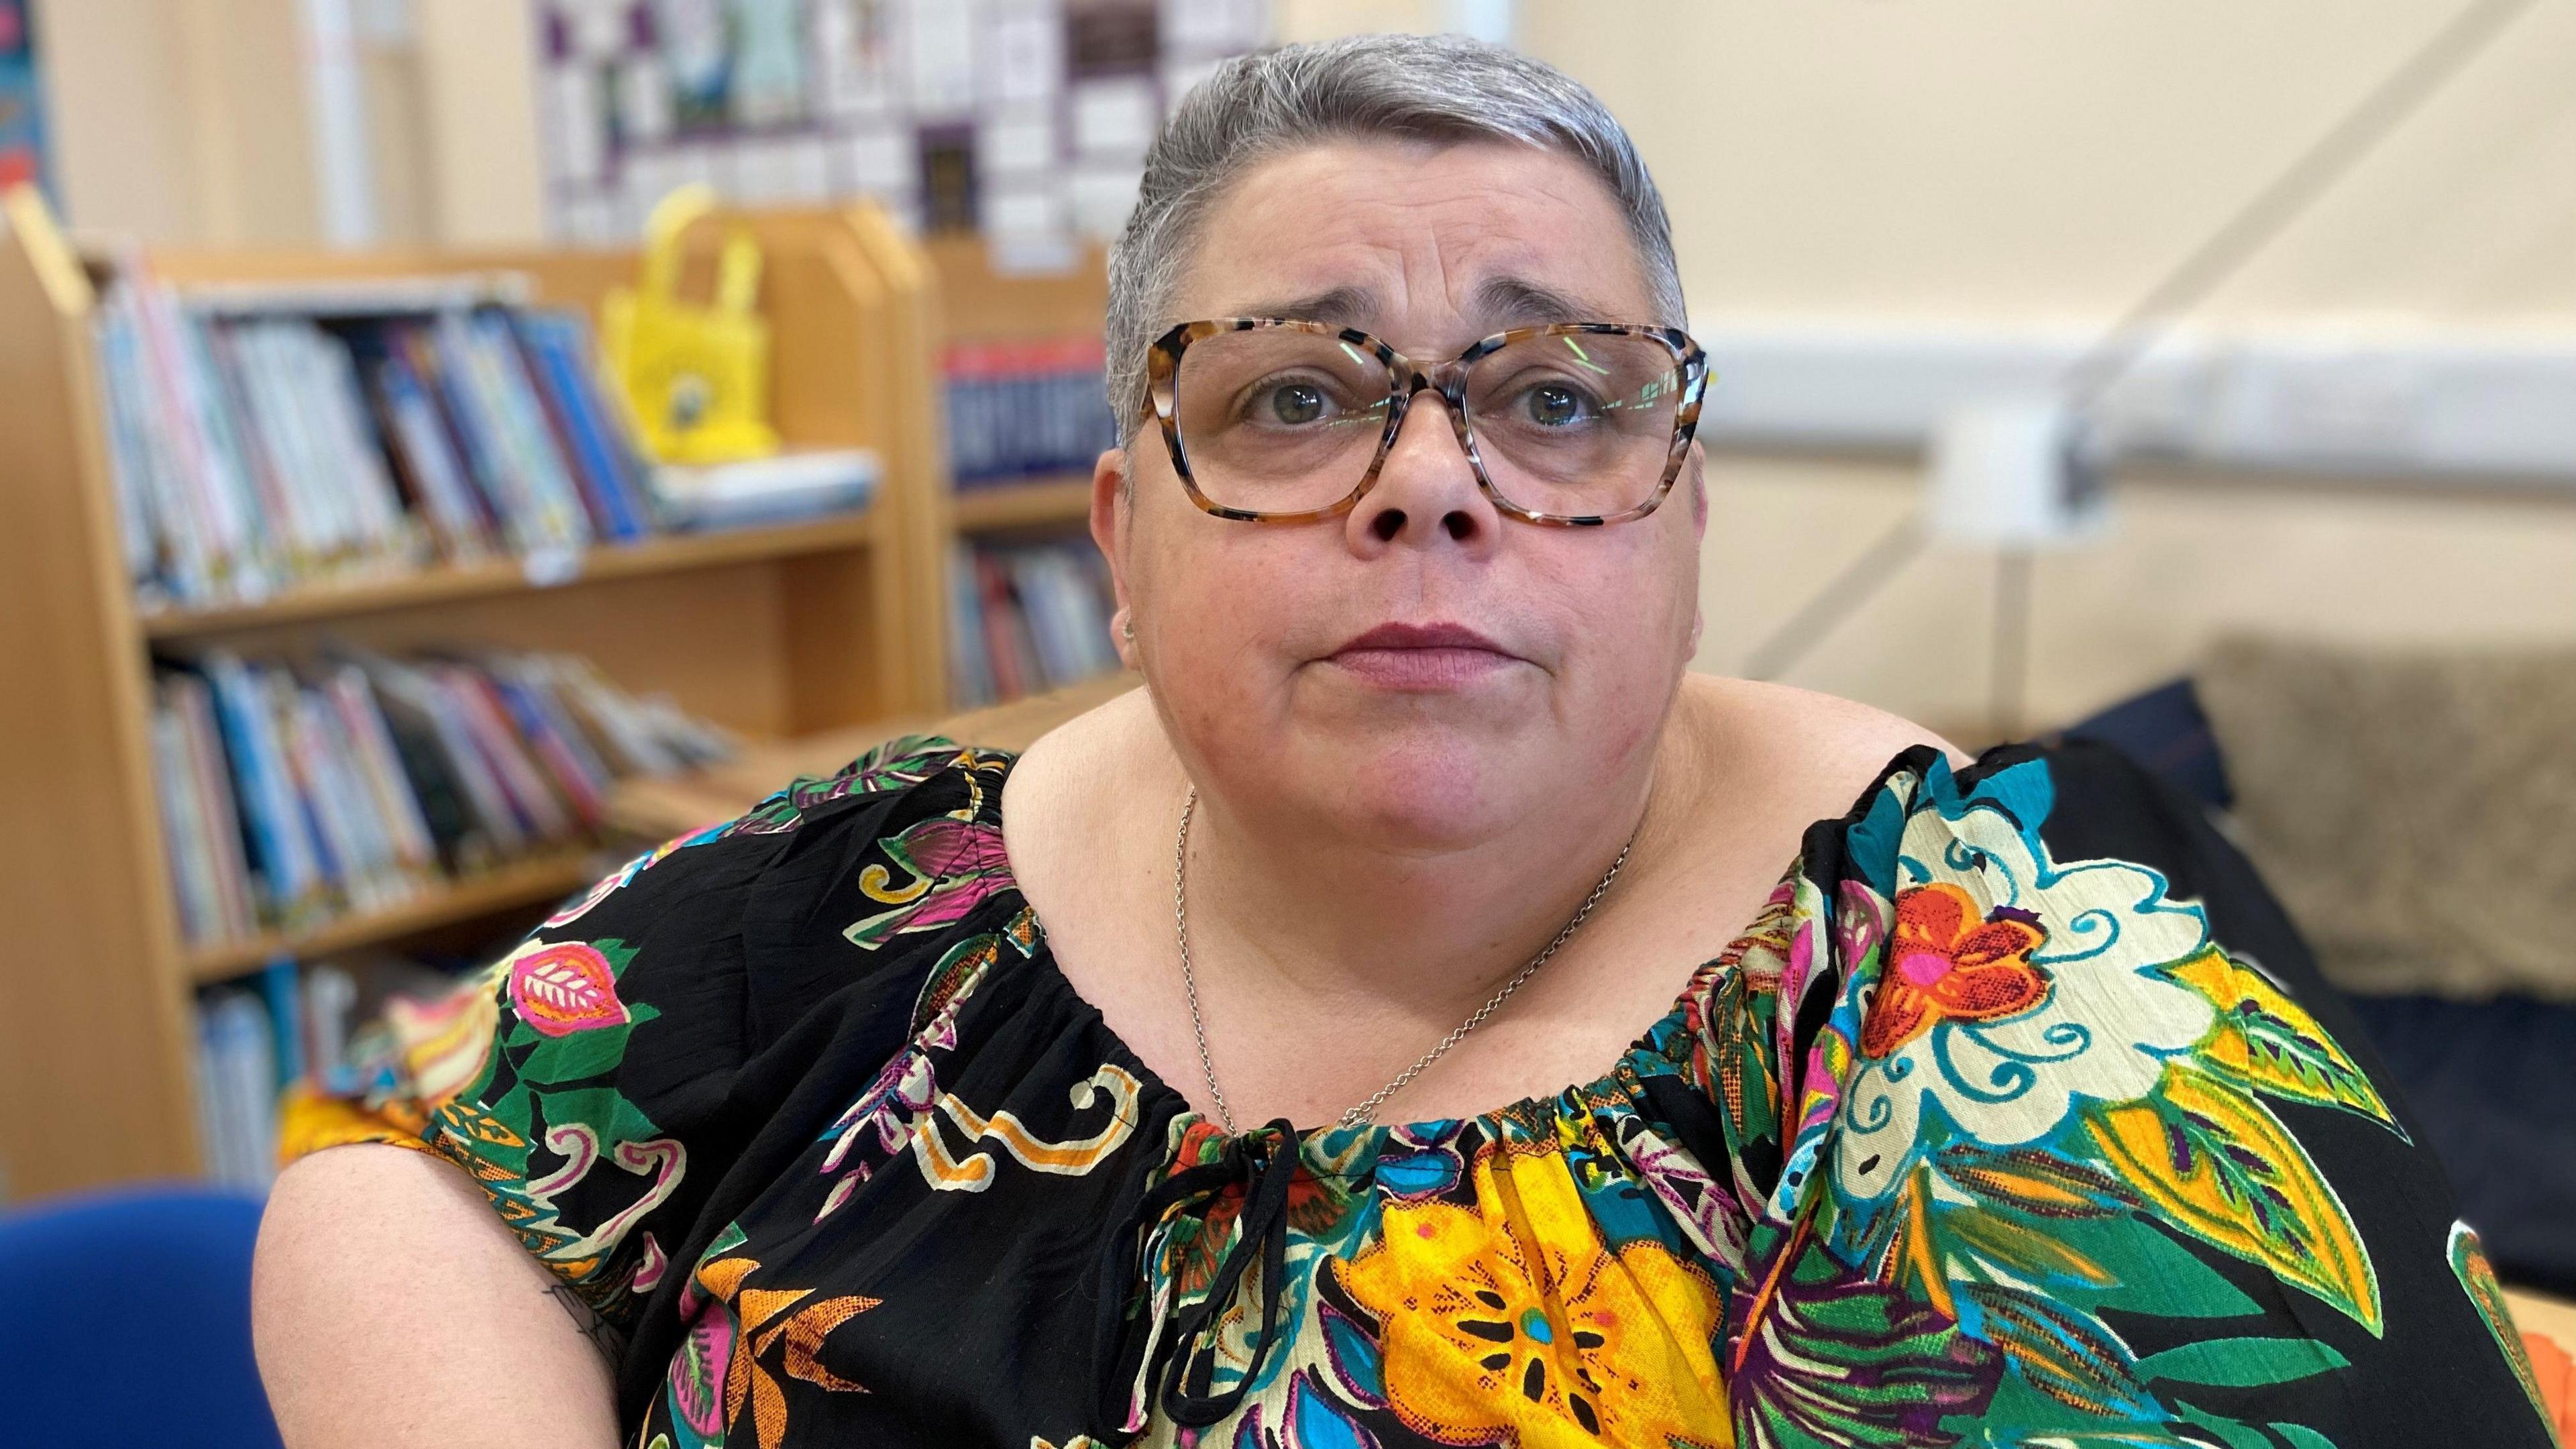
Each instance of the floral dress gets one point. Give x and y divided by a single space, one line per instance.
2017 1118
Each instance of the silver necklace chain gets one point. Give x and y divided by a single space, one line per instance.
1362 1112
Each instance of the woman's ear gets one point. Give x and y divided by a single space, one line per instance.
1113 499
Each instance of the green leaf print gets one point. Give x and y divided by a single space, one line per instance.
2243 1363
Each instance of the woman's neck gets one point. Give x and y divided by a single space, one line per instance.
1325 919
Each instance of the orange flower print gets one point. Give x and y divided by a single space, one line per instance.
1510 1322
734 1347
1945 962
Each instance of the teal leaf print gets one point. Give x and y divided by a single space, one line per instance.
2234 1434
903 760
2243 1363
2216 1163
2042 1184
2155 1274
2063 1354
1835 1364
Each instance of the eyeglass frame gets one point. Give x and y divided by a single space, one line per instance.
1406 378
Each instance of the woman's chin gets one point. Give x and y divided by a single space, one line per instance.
1408 770
1427 787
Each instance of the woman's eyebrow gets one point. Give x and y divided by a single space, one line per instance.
1345 305
1504 300
1500 301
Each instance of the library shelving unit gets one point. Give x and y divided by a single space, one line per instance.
979 303
779 633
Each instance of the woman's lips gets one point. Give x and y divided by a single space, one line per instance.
1423 668
1432 654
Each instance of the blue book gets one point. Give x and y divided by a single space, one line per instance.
617 435
275 827
283 985
434 362
541 337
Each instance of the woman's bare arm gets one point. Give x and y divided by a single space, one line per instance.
391 1308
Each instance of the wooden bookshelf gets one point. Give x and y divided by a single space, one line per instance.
1039 503
661 809
979 303
669 554
529 881
778 633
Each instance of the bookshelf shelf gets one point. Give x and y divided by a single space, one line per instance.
447 583
1065 500
528 881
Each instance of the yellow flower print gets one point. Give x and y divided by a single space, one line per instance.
1510 1320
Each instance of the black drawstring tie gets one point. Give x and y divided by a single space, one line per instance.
1263 1163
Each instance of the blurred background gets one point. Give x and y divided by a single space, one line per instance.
1975 170
552 423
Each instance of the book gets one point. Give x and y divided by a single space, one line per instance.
210 778
183 829
284 859
236 1073
264 438
1026 617
1025 407
778 489
605 461
425 458
295 790
330 1002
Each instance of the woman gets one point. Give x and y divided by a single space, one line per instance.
1202 1074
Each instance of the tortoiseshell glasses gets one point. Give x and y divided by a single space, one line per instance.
1274 420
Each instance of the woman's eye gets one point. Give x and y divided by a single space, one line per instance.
1297 403
1555 405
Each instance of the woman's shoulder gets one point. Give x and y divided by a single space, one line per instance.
1785 722
1776 755
1078 781
894 795
1836 758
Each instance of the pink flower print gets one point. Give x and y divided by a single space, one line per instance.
956 864
698 1372
564 988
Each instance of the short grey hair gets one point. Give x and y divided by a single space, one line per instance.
1441 88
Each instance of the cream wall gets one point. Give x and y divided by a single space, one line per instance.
2030 159
479 120
191 121
120 101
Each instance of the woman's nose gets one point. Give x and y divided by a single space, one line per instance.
1426 487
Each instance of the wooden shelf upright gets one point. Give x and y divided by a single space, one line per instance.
780 633
981 304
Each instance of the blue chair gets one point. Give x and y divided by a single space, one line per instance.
125 1321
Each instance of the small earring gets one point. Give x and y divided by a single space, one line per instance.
1127 630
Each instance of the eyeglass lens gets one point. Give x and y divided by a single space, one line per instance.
1278 420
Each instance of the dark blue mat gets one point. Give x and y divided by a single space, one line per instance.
2495 1085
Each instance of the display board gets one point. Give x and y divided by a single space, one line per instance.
1027 120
